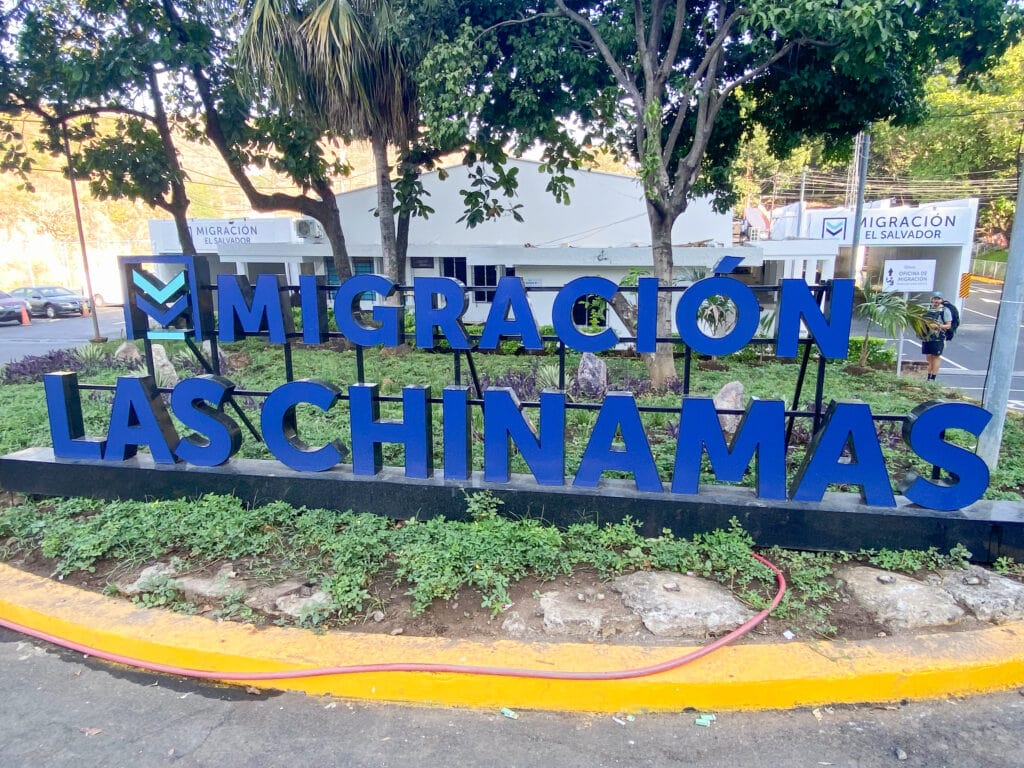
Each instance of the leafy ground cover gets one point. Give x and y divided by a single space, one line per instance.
413 572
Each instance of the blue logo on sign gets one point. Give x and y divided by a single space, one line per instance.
833 229
164 309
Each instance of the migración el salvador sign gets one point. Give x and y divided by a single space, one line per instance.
844 450
940 225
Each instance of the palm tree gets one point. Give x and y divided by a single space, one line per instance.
340 63
890 312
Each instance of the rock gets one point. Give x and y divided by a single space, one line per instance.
730 397
128 353
901 754
567 615
989 596
146 578
294 606
222 584
265 599
166 376
514 625
592 375
207 349
377 616
700 608
903 603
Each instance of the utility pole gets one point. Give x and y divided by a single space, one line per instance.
1004 339
96 338
863 150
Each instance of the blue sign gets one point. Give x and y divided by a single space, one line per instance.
845 449
172 308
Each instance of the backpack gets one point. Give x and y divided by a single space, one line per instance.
955 314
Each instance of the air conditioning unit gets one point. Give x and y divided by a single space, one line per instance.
308 229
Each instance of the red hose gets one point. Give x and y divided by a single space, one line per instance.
623 674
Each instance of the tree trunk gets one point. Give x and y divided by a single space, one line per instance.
661 365
386 209
178 205
331 223
864 347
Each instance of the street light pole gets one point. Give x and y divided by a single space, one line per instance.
96 338
864 149
1001 359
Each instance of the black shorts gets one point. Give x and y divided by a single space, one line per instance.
933 347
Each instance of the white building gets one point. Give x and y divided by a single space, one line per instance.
938 237
603 232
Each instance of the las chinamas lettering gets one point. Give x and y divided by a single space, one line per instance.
140 417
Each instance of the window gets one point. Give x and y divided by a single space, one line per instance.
363 267
484 277
454 267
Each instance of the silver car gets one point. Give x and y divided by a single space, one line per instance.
50 300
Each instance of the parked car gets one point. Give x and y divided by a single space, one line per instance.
10 308
50 300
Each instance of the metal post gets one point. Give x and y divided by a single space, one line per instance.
96 338
800 207
899 349
862 180
999 377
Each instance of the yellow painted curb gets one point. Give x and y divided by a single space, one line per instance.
772 676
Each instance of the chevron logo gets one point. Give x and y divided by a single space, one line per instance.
163 303
833 229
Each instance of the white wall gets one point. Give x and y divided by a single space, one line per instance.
606 211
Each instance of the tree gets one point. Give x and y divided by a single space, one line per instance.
888 310
70 64
679 84
346 66
968 129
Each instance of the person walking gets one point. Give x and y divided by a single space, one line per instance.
940 320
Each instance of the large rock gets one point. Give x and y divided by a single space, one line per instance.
730 397
222 584
295 606
565 614
166 376
265 598
989 596
207 349
149 576
672 605
592 375
900 602
128 353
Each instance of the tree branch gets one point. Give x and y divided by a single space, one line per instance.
619 73
674 41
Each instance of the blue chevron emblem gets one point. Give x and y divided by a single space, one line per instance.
164 316
176 309
833 228
157 293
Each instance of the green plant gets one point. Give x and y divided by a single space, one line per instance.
163 592
235 609
890 312
915 560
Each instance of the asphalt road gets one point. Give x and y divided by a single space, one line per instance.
61 710
965 361
17 341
